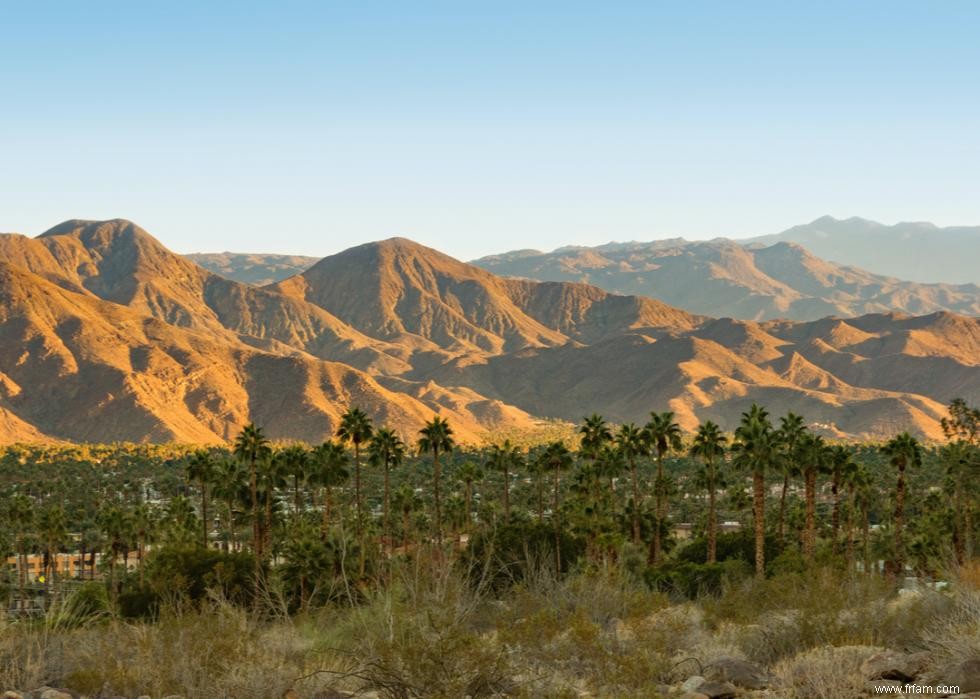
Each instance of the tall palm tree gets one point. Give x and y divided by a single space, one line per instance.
232 489
791 430
53 530
468 474
144 521
405 501
386 449
20 513
273 473
860 487
961 460
503 458
436 437
558 459
632 444
709 446
200 467
842 464
595 435
330 466
814 455
903 452
295 465
756 449
251 448
664 435
355 428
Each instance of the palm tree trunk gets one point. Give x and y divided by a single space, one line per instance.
866 539
849 525
759 519
438 500
781 526
386 536
469 504
835 516
809 533
900 520
204 513
657 550
712 516
636 502
139 558
541 482
357 491
327 498
506 495
555 517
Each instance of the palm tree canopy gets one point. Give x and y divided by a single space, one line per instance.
663 432
386 448
436 436
355 427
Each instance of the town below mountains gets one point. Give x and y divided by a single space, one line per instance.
106 335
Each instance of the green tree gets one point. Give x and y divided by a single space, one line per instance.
436 437
792 428
387 450
709 447
355 428
632 444
468 474
252 447
664 435
903 452
53 531
558 458
505 458
756 449
330 466
200 467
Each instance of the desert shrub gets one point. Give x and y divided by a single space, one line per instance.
512 550
421 636
729 546
824 673
190 573
694 580
953 636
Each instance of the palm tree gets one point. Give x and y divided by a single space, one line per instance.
272 476
388 450
860 487
903 452
595 435
842 464
330 466
143 521
709 446
962 462
436 437
791 430
231 488
405 501
20 514
355 427
813 454
115 526
200 467
53 529
252 447
295 464
558 459
504 457
468 474
632 443
756 449
664 435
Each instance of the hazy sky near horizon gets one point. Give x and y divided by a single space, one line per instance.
478 127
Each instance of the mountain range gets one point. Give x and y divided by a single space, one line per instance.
106 335
756 279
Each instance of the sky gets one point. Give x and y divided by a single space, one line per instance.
477 127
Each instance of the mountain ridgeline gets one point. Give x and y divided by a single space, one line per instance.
107 335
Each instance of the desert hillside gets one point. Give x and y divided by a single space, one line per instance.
751 281
107 335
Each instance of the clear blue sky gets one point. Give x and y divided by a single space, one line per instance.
484 126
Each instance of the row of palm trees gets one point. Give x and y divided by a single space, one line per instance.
253 480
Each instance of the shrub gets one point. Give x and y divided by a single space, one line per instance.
694 580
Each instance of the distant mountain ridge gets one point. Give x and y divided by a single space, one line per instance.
107 335
917 251
722 277
259 269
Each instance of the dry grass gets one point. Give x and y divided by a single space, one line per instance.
827 672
